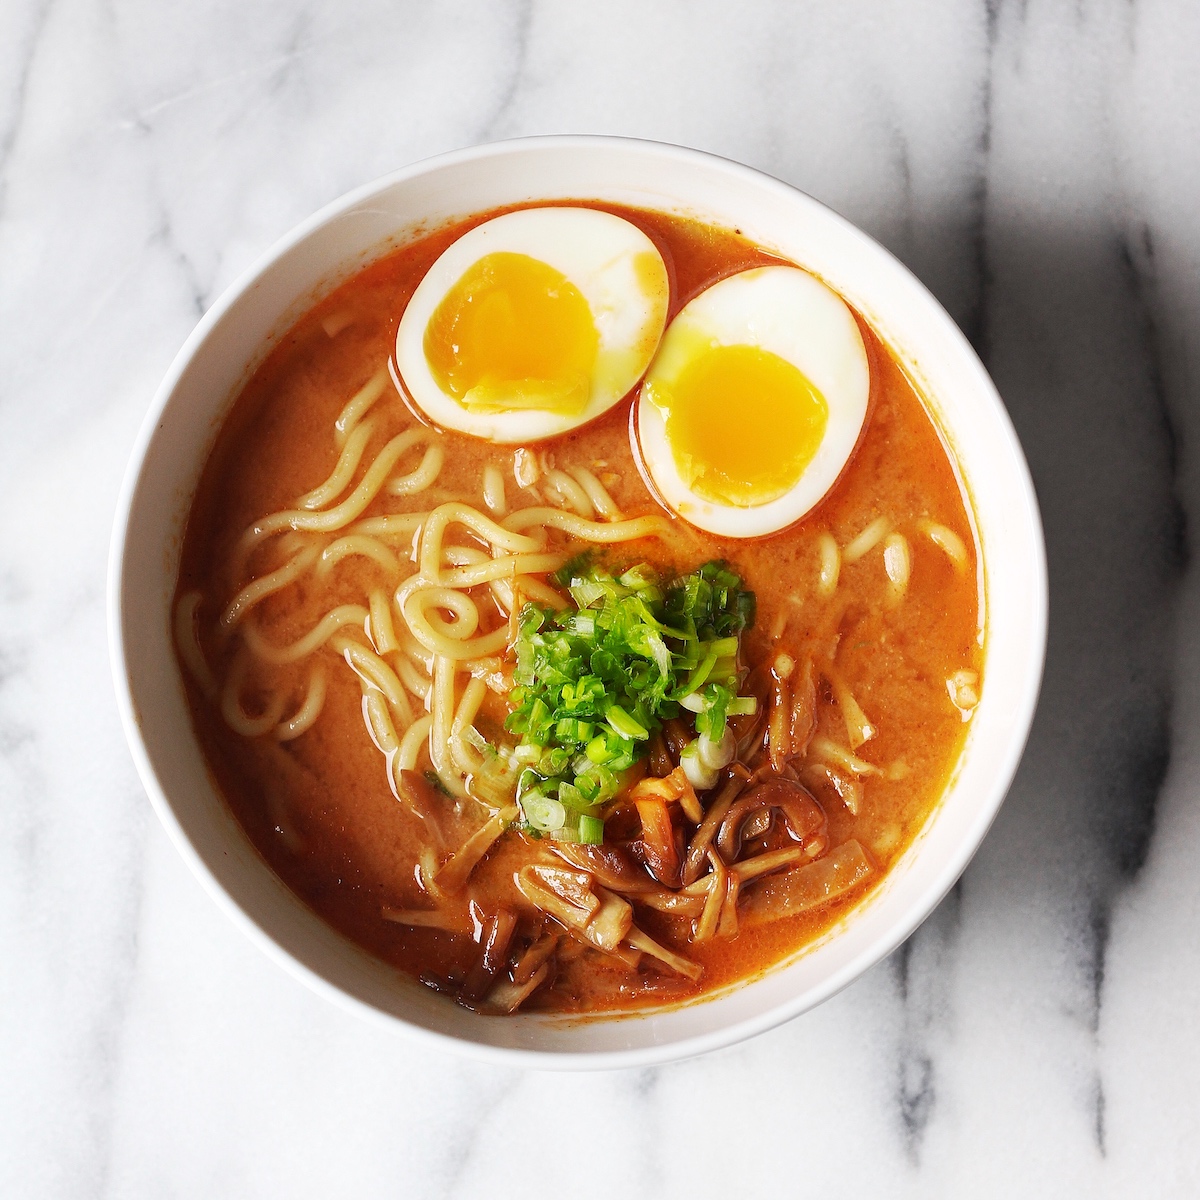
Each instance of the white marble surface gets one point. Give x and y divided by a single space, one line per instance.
1038 164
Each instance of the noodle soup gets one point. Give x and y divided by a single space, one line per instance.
502 716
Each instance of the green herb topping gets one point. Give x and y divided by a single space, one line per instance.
595 683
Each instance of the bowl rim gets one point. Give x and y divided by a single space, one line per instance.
681 1048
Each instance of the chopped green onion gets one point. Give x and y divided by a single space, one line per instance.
699 775
591 830
716 754
472 735
598 751
624 724
570 796
594 684
543 812
583 624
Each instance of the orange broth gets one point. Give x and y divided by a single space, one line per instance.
319 808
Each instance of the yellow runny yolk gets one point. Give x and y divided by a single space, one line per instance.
513 333
742 423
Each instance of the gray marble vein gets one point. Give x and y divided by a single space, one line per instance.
1037 163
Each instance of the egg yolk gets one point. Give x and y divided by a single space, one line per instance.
513 333
743 424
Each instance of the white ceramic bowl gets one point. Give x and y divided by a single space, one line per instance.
233 338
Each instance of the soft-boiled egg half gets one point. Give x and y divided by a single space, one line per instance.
754 402
533 323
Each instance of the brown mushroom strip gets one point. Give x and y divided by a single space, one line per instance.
688 800
765 773
541 897
658 840
676 904
758 824
828 750
622 958
497 937
729 910
858 726
427 918
801 813
699 887
628 955
660 760
779 723
575 887
603 925
674 786
707 925
804 710
808 887
764 864
609 864
416 791
427 868
454 874
848 789
507 997
693 864
676 735
643 941
613 920
733 828
538 953
752 868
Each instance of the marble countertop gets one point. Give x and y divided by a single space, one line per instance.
1037 163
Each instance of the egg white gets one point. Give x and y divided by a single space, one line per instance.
790 313
599 253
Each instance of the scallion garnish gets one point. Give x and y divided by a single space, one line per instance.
595 683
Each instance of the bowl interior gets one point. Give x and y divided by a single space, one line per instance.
235 335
